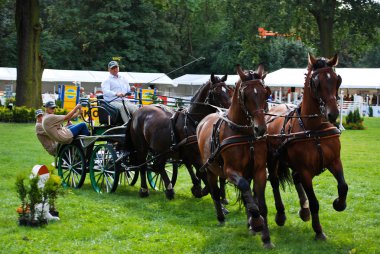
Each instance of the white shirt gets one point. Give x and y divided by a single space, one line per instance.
113 85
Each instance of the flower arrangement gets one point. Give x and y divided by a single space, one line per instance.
38 199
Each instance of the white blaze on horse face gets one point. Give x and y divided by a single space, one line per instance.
255 90
328 75
224 89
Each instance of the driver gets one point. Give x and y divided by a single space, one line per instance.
115 87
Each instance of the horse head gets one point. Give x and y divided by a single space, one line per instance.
252 95
219 94
324 85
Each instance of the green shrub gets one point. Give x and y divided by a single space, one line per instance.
370 111
10 100
6 115
23 114
354 121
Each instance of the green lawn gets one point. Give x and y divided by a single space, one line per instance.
124 223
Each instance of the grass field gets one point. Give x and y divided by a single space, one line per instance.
124 223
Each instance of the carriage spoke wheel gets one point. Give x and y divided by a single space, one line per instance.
155 179
128 177
103 169
72 166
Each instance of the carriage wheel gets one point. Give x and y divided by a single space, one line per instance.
71 166
129 177
103 169
155 180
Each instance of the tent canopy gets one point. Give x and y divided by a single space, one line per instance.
52 75
361 78
200 79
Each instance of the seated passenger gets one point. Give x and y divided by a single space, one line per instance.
52 124
115 87
49 144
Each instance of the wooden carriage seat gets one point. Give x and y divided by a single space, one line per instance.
106 110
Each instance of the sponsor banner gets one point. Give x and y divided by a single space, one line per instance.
70 96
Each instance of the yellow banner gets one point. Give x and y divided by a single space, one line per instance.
146 96
94 111
70 97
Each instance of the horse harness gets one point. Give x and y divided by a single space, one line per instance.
217 146
288 137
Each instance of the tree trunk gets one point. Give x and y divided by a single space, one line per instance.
324 13
29 63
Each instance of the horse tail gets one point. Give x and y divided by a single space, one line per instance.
284 175
278 168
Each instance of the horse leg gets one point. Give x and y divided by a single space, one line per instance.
222 183
307 183
215 194
202 176
144 191
160 166
196 189
255 220
304 211
337 170
280 208
259 194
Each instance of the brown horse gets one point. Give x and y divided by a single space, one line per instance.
163 132
232 147
306 141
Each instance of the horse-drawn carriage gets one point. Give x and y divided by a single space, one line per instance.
105 154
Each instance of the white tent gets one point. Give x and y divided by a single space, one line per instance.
359 78
200 79
52 75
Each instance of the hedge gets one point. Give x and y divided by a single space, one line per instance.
22 114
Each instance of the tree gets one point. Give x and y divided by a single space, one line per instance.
30 62
7 34
342 21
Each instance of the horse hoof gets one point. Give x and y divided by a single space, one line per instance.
304 214
144 193
338 206
280 219
320 236
253 232
196 190
205 191
224 201
268 246
257 224
221 220
225 210
169 194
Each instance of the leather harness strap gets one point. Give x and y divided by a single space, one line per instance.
303 136
217 147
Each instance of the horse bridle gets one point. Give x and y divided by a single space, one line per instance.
241 98
314 87
211 97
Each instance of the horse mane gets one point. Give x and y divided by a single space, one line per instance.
200 90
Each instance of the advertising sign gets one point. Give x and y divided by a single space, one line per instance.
70 96
146 96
